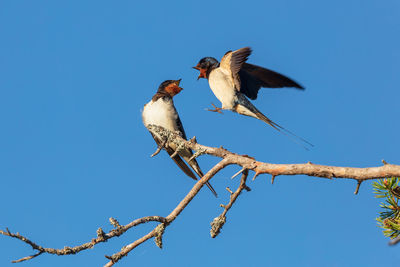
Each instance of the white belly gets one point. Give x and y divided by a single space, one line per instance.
221 83
161 113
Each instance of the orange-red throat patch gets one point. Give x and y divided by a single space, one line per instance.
203 73
173 89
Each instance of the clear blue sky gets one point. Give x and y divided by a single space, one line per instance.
74 76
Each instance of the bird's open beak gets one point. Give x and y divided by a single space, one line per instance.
177 82
202 72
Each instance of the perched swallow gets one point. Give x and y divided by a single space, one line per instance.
232 79
161 111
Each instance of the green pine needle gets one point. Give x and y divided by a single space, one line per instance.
389 218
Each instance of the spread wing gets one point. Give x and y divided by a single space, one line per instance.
253 77
233 62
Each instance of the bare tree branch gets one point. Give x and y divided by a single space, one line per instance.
101 237
394 241
172 216
310 169
28 257
228 158
218 222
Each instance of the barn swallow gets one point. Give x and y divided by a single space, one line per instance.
161 111
233 80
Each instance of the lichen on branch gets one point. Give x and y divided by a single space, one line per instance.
386 188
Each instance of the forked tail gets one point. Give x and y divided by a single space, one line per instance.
245 107
285 131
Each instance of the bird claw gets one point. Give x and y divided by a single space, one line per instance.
216 109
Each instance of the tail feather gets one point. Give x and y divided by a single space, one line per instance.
197 169
284 131
182 165
212 189
245 107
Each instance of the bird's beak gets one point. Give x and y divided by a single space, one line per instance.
177 82
202 74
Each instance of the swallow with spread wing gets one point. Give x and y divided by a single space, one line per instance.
233 80
161 111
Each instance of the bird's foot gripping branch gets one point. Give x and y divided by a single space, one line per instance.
387 188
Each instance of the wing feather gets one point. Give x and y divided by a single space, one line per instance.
177 159
254 77
233 61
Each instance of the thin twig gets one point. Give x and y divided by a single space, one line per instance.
394 241
101 237
28 257
273 179
239 172
228 158
172 216
358 186
159 147
117 256
218 222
